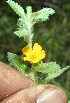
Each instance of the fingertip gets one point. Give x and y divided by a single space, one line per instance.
52 95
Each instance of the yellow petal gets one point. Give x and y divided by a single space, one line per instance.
37 57
25 58
37 47
43 54
26 49
35 61
33 55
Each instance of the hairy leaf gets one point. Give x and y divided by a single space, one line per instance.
16 62
17 8
23 28
27 20
51 69
56 74
42 15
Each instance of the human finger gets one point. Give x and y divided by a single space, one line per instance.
11 81
53 94
38 94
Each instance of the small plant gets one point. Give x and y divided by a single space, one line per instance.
40 72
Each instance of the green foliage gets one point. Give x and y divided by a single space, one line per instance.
23 28
51 69
53 35
42 15
16 62
17 8
27 21
56 29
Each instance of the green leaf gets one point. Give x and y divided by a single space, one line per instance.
56 74
68 101
17 8
42 15
27 20
48 68
16 62
51 69
21 33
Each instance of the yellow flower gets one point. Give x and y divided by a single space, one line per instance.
33 55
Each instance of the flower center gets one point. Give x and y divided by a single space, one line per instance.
33 57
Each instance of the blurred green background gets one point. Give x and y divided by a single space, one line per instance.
53 35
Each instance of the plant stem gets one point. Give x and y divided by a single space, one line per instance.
35 74
29 26
30 40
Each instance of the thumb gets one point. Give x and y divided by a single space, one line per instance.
38 94
52 94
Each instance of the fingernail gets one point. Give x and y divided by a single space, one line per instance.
52 96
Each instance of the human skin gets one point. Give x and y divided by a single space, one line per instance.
15 88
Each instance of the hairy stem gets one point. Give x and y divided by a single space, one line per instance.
35 74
